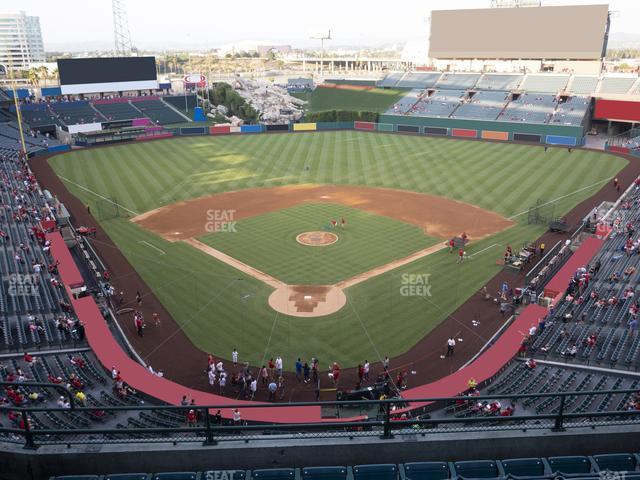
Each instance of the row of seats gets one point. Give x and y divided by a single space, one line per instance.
535 83
623 464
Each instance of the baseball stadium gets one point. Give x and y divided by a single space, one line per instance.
419 261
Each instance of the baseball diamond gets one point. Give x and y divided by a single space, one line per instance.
382 184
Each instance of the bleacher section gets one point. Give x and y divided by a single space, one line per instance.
10 138
441 103
483 105
571 112
502 82
583 84
530 108
619 85
390 80
457 81
544 83
418 80
158 111
117 110
72 113
37 115
405 103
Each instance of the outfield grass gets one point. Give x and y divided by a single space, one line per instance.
368 241
373 100
218 311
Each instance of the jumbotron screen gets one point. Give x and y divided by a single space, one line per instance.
559 32
94 75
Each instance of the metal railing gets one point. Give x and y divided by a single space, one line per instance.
373 418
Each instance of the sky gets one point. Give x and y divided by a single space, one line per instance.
164 24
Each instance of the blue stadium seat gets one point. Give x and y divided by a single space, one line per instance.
574 466
477 469
324 473
274 474
619 462
523 467
175 476
382 471
127 476
426 471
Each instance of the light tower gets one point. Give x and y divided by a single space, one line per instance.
121 34
322 37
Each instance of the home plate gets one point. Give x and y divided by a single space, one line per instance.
307 297
325 196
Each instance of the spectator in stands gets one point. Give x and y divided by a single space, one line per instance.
63 403
531 364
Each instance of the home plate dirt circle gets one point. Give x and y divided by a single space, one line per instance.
317 239
307 300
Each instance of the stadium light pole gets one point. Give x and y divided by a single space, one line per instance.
322 38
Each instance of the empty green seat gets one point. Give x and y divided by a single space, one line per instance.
381 471
275 474
127 476
426 471
618 462
324 473
175 476
570 465
477 469
523 467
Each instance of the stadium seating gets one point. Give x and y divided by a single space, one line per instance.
78 112
571 112
501 82
117 111
457 81
324 473
623 464
418 80
530 108
544 83
483 105
159 112
37 115
402 106
441 103
617 84
583 84
390 80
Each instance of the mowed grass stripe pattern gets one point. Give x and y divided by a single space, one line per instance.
366 241
505 178
220 308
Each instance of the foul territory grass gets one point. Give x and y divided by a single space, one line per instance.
367 241
220 308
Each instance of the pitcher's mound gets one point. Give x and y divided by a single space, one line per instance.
307 300
317 239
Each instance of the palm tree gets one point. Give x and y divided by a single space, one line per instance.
44 73
34 77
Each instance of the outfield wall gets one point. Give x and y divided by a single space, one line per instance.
490 130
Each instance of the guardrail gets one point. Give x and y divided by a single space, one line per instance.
374 418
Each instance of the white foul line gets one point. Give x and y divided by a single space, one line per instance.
563 196
162 252
98 195
483 250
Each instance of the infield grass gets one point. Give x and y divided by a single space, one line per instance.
367 241
219 308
